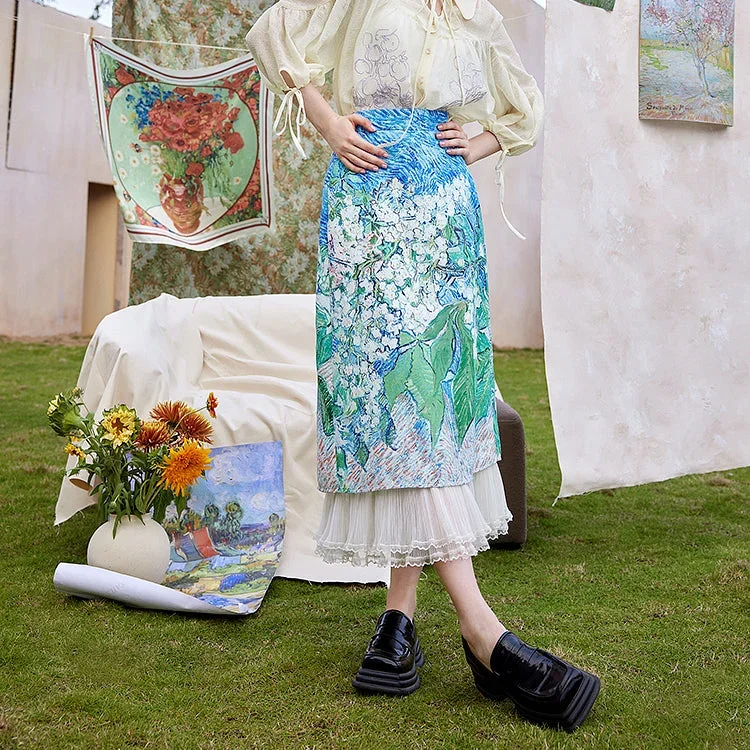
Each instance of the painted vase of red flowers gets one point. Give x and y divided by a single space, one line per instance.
182 200
192 129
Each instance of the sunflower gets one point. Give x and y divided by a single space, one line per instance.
119 424
195 426
152 434
211 403
74 450
183 465
170 412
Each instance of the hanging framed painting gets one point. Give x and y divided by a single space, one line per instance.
189 149
687 60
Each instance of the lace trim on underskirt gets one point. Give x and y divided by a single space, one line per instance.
415 554
414 526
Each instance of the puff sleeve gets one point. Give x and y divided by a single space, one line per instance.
518 104
301 37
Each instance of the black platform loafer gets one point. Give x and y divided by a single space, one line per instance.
544 688
392 657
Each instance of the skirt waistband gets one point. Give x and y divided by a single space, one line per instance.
397 118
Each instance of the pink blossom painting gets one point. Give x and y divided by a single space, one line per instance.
687 60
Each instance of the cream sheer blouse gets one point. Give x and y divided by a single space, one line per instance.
401 53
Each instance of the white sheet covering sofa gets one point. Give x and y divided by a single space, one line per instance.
257 354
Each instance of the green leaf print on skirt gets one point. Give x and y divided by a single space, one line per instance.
404 346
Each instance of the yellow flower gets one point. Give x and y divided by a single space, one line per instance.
74 450
119 424
53 404
184 465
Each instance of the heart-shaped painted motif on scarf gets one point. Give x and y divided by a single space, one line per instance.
184 155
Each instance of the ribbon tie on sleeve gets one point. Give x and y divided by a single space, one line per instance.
500 182
285 119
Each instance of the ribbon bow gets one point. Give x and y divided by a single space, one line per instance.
284 118
467 7
500 182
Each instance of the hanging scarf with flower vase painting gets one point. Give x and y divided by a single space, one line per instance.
189 150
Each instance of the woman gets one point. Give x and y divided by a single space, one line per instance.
408 440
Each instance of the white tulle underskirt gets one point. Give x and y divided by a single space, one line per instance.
413 525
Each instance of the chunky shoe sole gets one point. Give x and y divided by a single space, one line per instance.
576 712
390 683
569 719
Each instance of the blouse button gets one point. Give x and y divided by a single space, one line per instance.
428 51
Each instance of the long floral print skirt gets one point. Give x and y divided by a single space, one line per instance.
408 441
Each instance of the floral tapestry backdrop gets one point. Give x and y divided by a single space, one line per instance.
687 61
279 261
188 150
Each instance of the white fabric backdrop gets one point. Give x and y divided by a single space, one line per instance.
645 264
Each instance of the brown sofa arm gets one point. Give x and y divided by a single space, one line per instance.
513 471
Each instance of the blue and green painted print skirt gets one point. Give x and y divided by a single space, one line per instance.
404 347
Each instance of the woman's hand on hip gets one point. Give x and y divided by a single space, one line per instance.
355 152
454 140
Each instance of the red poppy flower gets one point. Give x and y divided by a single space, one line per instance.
234 142
124 77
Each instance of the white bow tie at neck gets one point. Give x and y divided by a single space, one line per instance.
284 118
467 7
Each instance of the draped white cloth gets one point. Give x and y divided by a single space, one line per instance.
645 268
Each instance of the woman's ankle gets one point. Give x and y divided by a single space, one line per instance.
482 633
406 606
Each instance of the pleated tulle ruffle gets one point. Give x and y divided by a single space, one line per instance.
414 525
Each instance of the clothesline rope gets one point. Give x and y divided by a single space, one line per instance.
176 44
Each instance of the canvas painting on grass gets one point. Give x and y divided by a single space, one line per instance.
687 60
226 546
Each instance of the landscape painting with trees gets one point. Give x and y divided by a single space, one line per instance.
687 60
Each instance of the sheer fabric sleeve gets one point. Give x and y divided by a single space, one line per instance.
301 37
519 106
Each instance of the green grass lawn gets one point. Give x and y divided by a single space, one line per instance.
646 586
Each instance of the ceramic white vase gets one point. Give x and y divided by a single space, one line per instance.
140 548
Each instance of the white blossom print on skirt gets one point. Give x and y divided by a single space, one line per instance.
404 346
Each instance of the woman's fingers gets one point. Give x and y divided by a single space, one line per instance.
453 139
361 162
452 136
454 143
359 119
367 160
356 142
351 167
356 146
367 151
449 132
